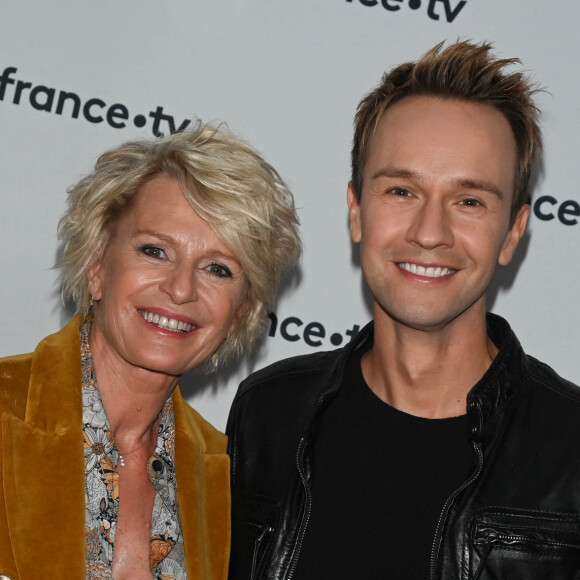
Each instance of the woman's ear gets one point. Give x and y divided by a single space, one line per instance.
95 278
240 314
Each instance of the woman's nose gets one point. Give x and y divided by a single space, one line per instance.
180 284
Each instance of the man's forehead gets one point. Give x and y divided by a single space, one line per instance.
466 141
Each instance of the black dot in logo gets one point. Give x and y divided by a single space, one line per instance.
336 339
414 4
140 120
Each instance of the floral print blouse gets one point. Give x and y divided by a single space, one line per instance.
166 556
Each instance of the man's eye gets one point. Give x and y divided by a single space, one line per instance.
400 191
153 252
220 271
471 202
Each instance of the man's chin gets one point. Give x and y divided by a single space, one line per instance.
424 320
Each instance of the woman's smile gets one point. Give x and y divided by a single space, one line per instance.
167 323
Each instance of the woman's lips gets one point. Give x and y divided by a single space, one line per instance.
166 322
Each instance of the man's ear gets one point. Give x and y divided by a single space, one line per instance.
514 235
353 213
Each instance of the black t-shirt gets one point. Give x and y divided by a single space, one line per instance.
380 480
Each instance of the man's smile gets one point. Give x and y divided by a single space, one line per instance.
429 271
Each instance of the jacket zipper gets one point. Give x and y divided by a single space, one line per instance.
503 539
447 506
308 507
308 498
257 542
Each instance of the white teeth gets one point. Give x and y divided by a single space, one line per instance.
429 272
151 317
167 323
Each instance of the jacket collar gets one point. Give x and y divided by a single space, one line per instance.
489 395
332 385
502 380
55 370
362 341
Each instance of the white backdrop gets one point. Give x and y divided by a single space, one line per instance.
285 75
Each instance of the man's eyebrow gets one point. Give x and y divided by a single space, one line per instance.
396 172
480 185
463 183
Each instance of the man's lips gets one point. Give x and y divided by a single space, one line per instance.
427 271
166 322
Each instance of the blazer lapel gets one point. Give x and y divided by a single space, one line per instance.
43 465
203 495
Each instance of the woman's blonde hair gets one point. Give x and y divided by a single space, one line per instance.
227 183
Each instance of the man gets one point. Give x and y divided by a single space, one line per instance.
431 446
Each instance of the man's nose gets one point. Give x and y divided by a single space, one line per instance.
431 226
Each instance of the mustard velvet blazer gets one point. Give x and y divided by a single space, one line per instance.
42 481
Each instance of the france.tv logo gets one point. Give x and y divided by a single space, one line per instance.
449 9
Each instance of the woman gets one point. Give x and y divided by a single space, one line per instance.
172 253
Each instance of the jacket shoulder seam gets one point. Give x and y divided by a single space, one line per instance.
562 387
257 381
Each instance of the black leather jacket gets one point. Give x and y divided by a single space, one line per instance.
516 517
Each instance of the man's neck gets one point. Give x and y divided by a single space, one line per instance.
428 373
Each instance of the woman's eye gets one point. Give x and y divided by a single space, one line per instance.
220 270
153 252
